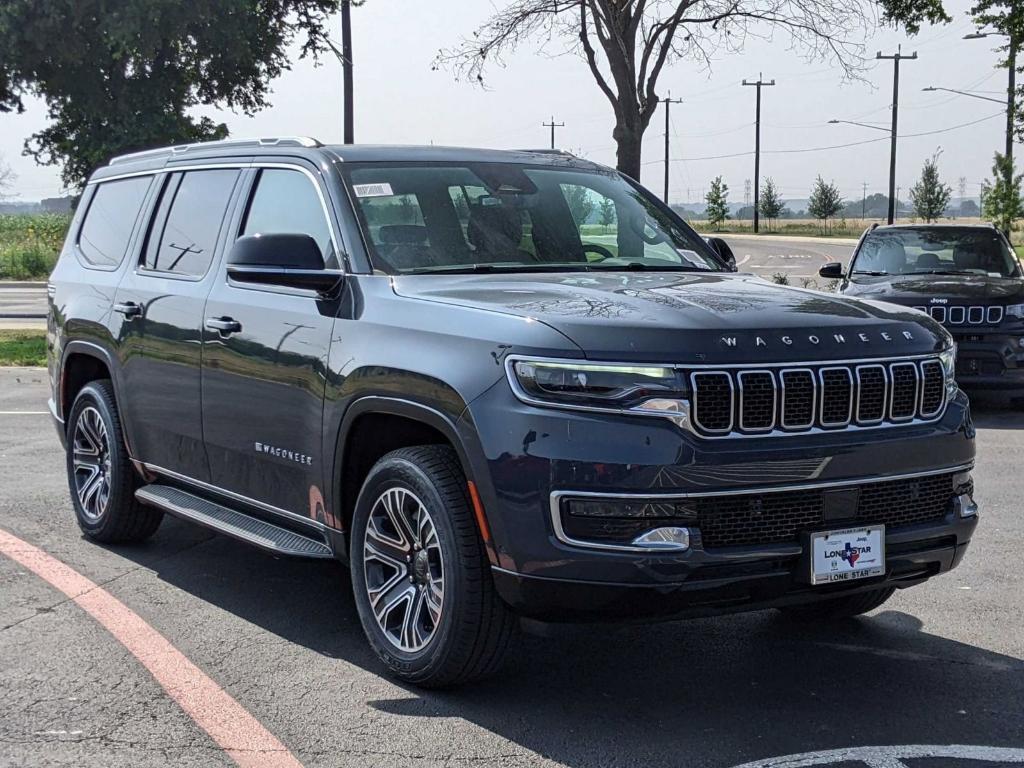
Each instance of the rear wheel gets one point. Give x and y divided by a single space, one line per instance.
420 572
100 475
840 607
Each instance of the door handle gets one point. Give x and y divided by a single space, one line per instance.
223 324
129 309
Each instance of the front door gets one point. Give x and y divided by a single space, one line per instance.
160 300
265 357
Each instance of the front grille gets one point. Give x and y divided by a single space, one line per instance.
776 518
967 315
793 400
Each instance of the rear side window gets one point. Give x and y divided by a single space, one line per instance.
184 233
286 202
110 219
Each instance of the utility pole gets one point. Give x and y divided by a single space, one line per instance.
668 102
552 125
346 64
1013 45
896 58
864 203
757 144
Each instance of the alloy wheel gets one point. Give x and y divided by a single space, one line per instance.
92 468
403 569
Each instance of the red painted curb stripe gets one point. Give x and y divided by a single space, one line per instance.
237 732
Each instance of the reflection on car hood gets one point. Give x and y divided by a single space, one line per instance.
909 289
689 317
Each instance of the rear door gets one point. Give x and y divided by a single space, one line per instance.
160 302
265 357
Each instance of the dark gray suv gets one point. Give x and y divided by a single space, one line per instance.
496 384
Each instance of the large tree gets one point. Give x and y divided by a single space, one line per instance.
717 201
119 75
1001 201
825 202
627 43
1006 18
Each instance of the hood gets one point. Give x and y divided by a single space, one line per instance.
689 317
920 289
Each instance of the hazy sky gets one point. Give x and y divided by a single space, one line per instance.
400 100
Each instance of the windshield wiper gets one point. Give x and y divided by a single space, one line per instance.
639 266
872 272
485 268
943 272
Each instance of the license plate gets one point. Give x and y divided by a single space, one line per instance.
847 555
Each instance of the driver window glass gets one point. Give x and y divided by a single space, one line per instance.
286 202
595 218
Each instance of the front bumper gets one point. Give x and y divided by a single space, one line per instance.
989 360
521 455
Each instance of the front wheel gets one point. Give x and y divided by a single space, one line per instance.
420 573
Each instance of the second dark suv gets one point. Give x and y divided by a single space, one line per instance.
496 384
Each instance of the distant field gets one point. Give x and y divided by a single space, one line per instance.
813 227
29 244
22 347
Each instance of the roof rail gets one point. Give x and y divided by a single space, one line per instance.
275 141
546 151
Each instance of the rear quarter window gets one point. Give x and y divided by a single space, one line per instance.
109 221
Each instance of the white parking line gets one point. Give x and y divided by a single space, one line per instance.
23 413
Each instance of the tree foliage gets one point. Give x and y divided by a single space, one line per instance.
581 204
770 202
825 201
627 44
123 75
607 212
7 178
1006 17
1002 202
717 201
929 195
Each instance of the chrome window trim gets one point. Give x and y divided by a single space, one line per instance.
885 393
998 312
936 311
942 400
775 389
970 315
335 239
158 470
963 315
554 505
892 391
732 401
849 404
814 398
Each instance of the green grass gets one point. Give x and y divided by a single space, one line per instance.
30 243
19 347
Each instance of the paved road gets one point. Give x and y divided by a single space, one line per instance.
798 257
20 301
939 664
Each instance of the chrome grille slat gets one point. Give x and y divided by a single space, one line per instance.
994 315
775 399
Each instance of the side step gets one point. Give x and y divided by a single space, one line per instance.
230 522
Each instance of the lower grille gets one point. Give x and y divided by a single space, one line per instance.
775 518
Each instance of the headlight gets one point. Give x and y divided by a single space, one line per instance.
1015 311
595 385
947 359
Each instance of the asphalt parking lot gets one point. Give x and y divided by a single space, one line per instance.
940 664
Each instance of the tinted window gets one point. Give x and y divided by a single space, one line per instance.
115 206
184 233
287 202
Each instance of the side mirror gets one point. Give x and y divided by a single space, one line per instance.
831 271
724 252
284 260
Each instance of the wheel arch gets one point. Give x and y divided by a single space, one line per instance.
82 362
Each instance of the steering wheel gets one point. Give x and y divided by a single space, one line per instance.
600 250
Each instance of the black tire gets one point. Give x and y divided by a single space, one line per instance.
844 607
475 627
119 518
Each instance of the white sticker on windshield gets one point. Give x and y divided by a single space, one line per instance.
690 256
382 189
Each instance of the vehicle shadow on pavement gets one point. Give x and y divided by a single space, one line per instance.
715 691
996 411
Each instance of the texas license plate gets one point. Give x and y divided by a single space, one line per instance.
847 555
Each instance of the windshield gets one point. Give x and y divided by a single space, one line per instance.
945 250
483 217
